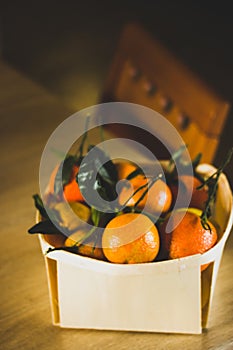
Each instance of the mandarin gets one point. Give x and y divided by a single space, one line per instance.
90 248
71 190
130 238
56 240
188 237
157 200
189 185
71 219
124 169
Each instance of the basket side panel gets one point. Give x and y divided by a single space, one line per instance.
51 267
163 302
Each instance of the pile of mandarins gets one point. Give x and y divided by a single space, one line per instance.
132 235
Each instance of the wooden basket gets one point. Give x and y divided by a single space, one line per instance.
167 296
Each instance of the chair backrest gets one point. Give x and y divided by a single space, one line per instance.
145 72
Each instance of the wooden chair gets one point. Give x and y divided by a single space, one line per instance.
146 73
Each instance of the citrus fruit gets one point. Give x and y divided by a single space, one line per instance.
90 248
124 169
129 187
157 200
188 187
71 219
188 237
130 238
56 240
71 190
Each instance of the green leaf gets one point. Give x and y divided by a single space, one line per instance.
50 213
98 173
95 216
40 206
79 152
66 249
64 171
100 218
196 160
45 226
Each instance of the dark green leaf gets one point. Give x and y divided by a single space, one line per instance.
79 152
98 173
66 249
196 160
49 213
45 226
40 206
95 216
64 171
100 218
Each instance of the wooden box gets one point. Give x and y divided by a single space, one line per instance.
167 296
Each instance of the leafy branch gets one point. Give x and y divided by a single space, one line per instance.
146 186
212 183
184 165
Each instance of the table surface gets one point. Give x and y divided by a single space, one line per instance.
28 116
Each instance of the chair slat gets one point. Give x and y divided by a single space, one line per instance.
145 72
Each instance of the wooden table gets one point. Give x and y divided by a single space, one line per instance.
28 116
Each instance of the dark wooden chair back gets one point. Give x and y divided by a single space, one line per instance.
146 73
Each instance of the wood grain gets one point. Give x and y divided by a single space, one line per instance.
144 71
28 116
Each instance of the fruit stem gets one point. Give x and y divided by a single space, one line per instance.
79 152
71 249
149 185
133 194
212 182
95 243
87 235
175 156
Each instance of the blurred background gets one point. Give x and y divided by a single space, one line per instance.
68 46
